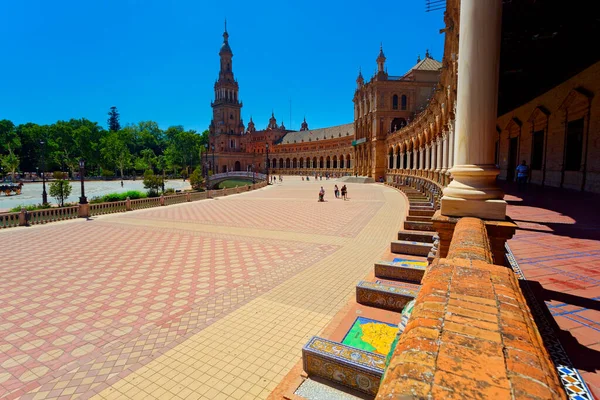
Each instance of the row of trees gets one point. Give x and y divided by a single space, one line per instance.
127 150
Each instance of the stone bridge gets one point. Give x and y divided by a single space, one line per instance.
215 179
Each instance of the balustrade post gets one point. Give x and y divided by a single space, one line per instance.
127 204
83 210
23 217
162 200
188 197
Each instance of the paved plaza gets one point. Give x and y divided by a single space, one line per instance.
211 299
557 247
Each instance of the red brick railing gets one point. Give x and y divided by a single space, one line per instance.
471 333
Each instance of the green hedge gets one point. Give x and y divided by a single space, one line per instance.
107 198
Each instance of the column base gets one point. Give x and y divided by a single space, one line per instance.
499 232
484 209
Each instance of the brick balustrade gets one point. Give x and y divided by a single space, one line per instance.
471 334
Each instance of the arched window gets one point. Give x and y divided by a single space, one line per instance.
395 102
403 100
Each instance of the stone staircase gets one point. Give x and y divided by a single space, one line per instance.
396 282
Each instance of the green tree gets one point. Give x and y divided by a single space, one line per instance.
196 179
9 143
60 189
152 182
113 120
115 151
204 138
64 149
10 161
149 158
8 136
31 150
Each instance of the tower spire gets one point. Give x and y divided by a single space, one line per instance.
380 59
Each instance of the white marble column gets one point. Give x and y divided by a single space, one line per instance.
433 155
415 158
451 147
394 161
444 152
401 160
427 156
438 154
421 158
473 192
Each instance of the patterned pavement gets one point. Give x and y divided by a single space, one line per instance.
211 299
557 247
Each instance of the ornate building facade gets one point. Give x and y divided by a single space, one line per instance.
385 105
382 106
405 126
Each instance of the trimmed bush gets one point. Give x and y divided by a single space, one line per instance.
31 207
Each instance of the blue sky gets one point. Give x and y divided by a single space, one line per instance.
158 60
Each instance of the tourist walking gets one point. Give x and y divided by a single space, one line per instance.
336 191
522 175
344 192
322 194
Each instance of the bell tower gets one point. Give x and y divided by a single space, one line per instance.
227 107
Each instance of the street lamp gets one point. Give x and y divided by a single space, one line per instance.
253 173
207 180
267 146
82 199
213 154
44 193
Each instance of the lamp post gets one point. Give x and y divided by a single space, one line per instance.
207 180
212 146
253 173
82 199
44 193
267 146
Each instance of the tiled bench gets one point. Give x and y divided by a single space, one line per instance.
399 271
410 247
345 365
391 296
416 236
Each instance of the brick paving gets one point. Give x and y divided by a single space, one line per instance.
557 247
212 299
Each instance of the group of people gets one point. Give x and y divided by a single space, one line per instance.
337 192
274 179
